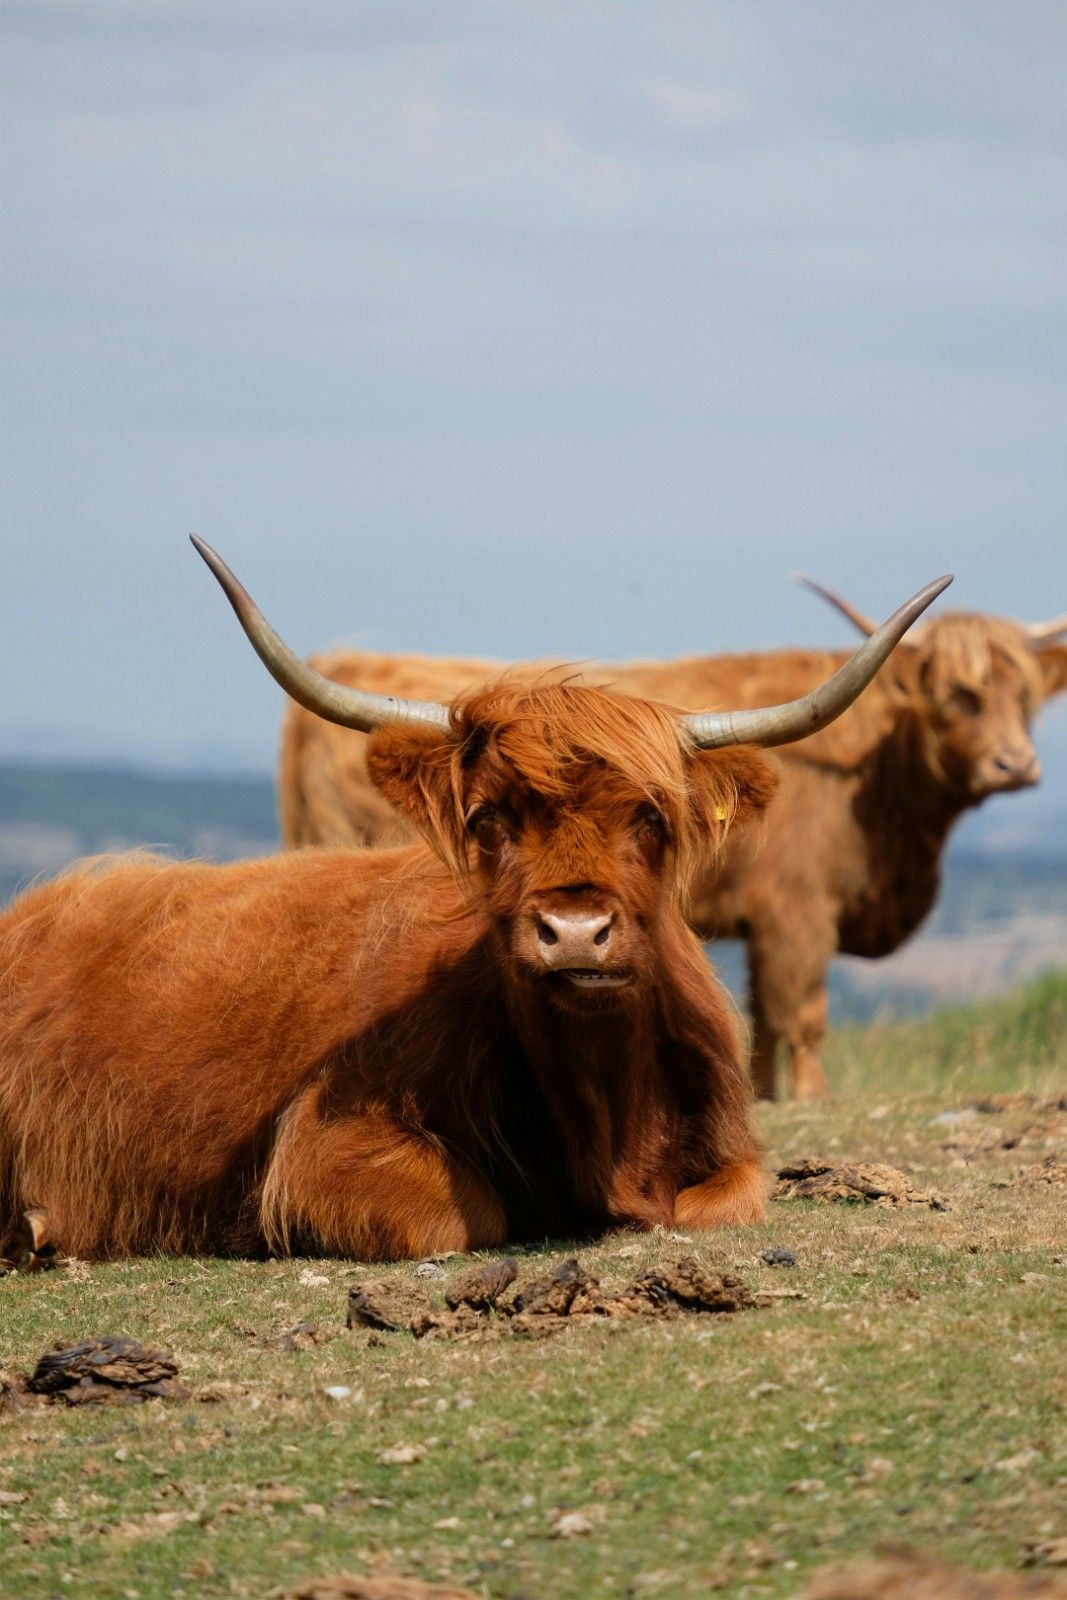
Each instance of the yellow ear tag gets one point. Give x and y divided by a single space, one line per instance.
720 813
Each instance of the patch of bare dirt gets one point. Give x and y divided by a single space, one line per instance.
915 1575
858 1183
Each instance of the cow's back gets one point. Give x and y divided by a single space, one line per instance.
324 794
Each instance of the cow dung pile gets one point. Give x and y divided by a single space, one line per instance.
96 1372
857 1183
476 1303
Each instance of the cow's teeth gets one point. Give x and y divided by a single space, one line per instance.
591 979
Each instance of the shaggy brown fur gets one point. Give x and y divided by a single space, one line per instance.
361 1054
849 859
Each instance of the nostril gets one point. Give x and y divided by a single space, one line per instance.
603 935
546 934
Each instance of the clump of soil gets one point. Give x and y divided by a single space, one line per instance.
475 1307
861 1183
373 1589
915 1575
96 1372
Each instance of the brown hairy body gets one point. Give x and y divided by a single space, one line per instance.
848 858
366 1053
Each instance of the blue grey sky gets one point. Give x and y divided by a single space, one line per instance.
526 329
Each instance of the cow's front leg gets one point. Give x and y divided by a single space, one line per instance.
788 963
363 1186
730 1198
805 1045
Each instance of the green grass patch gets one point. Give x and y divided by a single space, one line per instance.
915 1394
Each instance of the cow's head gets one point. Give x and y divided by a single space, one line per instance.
573 815
976 683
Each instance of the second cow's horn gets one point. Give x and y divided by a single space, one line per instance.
796 719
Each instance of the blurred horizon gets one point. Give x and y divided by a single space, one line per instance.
530 331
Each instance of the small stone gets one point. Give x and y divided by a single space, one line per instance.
571 1525
779 1255
402 1455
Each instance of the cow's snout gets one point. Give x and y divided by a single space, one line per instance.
574 941
1013 767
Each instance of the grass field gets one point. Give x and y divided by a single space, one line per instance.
915 1393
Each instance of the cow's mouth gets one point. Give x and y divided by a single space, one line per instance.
592 978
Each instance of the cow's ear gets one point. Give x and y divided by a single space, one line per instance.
1052 659
412 765
730 787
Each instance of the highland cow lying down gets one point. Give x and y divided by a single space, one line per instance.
510 1034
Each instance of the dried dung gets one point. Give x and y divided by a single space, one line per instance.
476 1308
462 1323
387 1304
1052 1170
914 1575
683 1284
554 1295
107 1371
865 1183
377 1588
480 1287
1045 1553
15 1396
998 1104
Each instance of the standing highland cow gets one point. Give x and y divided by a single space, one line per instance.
849 857
388 1054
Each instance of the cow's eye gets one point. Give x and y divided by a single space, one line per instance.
487 827
649 824
965 701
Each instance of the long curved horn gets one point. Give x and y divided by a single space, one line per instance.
1040 633
352 708
709 730
857 618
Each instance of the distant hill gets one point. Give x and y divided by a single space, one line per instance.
1002 914
51 814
